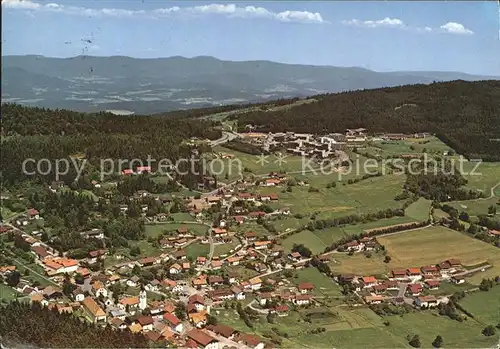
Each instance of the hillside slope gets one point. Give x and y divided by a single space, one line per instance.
466 115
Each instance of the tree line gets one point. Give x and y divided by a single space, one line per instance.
462 114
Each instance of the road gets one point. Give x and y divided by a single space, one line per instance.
226 137
261 311
470 271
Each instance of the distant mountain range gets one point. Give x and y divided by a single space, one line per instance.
144 86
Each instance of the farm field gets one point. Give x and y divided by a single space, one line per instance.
475 207
411 146
439 243
182 217
485 177
286 223
405 249
251 226
419 210
360 228
234 167
369 195
485 306
155 230
307 238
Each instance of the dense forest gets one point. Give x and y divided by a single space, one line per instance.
23 325
465 115
36 133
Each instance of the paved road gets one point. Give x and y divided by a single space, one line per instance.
470 271
261 311
226 137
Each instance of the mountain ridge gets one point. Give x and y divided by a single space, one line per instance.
153 85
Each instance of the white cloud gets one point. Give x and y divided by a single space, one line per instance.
227 10
456 28
386 22
450 27
20 4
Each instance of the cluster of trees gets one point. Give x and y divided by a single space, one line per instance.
129 185
244 147
22 325
366 176
440 186
462 114
38 133
303 250
319 224
344 240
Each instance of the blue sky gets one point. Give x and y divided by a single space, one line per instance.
383 36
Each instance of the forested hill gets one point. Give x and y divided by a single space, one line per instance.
37 133
466 115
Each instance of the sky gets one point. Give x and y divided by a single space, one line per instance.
382 36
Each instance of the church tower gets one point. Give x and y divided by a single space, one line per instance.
143 301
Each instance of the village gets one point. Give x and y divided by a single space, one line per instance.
180 299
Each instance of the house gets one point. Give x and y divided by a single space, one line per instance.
215 280
458 279
353 246
430 270
294 256
261 245
198 319
33 214
256 214
250 340
95 255
235 260
219 232
200 282
377 299
380 288
200 260
174 323
197 302
133 281
281 310
99 290
127 172
305 287
426 302
255 283
146 262
369 281
146 323
60 265
432 284
129 303
238 293
222 330
250 236
216 265
391 285
414 274
175 269
414 289
264 297
449 266
181 254
271 182
302 299
202 339
41 252
118 323
94 310
221 294
78 295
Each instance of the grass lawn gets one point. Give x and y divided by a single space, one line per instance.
221 249
330 235
195 250
182 216
475 207
322 283
147 249
6 213
7 293
485 306
435 244
369 195
412 146
244 273
155 230
306 238
360 228
419 210
287 223
234 167
252 226
439 214
486 176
